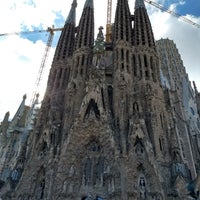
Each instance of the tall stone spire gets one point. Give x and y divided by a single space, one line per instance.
139 4
148 68
65 45
19 113
122 27
85 34
143 34
72 14
122 47
89 3
60 69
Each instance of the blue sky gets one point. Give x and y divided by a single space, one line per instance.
188 7
21 55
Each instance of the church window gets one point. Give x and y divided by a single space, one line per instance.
161 120
81 71
82 60
78 58
134 66
94 164
53 138
110 99
98 170
140 62
103 100
135 107
42 187
75 72
89 60
140 66
44 146
74 85
146 74
127 67
139 148
145 61
122 67
43 150
122 54
152 68
127 56
88 171
161 145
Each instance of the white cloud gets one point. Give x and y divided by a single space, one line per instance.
21 58
20 62
185 35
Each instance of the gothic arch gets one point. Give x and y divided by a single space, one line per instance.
94 164
40 184
139 147
92 107
87 171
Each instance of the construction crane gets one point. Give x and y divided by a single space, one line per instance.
173 13
51 31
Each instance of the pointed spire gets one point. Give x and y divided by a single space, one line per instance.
143 34
139 4
65 45
19 113
89 3
85 33
72 14
122 25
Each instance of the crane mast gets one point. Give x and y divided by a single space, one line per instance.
43 62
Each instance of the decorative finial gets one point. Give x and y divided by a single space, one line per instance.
89 3
74 4
24 97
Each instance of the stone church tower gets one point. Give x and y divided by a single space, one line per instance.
106 129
